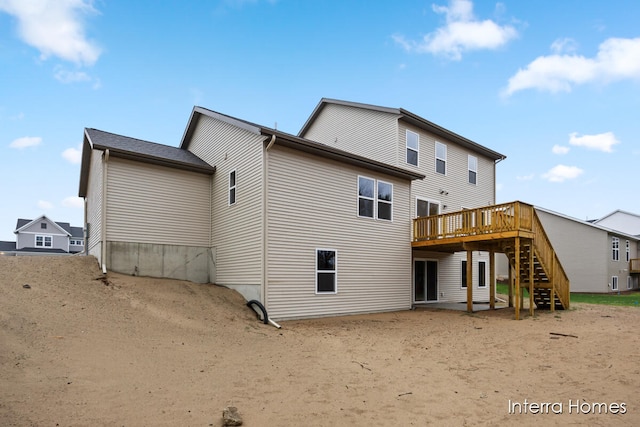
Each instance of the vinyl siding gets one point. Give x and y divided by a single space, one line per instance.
94 205
312 203
155 204
236 230
365 132
584 251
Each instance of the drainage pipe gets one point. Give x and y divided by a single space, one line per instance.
265 317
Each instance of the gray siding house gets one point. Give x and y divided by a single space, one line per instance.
42 236
597 259
459 174
278 217
626 222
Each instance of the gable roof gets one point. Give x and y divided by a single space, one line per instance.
590 224
617 211
26 223
295 142
409 117
136 149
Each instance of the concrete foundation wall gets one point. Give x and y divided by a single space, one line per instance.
167 261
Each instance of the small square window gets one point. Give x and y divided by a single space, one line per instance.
43 225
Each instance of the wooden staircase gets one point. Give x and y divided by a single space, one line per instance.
512 228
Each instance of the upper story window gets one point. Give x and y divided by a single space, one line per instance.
426 207
473 169
441 158
628 250
375 201
43 225
44 241
615 249
232 187
385 200
413 147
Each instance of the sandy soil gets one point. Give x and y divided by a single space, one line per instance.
77 349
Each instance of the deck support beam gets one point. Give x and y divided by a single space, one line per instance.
469 281
531 303
517 277
492 280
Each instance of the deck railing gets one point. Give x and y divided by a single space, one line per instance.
514 216
634 265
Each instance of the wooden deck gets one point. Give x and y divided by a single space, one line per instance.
634 266
510 228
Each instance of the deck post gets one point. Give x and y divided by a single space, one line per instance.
510 286
517 278
492 279
531 277
469 281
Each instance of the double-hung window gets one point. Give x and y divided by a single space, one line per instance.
441 158
326 271
232 187
413 147
628 251
44 241
473 169
375 199
615 249
614 283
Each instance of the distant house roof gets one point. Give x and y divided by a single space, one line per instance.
24 223
7 246
136 149
617 211
296 142
409 117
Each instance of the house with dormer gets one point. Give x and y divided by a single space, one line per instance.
42 236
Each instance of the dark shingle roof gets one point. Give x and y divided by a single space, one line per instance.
145 149
7 246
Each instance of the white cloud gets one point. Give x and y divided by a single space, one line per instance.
565 45
73 155
55 28
26 141
617 59
559 149
65 76
73 202
44 205
599 142
562 173
463 32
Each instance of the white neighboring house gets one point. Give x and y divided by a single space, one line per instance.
620 220
43 236
597 258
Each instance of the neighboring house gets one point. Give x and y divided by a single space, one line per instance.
459 174
620 220
597 259
42 236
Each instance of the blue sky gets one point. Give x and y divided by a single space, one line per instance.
554 85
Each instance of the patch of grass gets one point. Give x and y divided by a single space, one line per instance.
630 299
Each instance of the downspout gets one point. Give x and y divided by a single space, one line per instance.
265 235
103 231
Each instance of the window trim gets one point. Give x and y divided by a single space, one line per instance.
416 150
614 283
463 274
444 159
469 157
378 200
334 272
482 275
233 189
628 250
372 198
615 249
44 241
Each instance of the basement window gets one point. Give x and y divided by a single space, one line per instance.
614 283
326 271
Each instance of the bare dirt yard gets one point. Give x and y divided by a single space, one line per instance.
80 349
